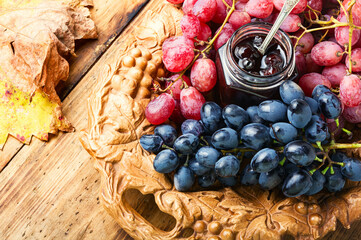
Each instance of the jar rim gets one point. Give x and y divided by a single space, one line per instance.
264 26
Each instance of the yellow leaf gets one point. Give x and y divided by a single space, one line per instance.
23 118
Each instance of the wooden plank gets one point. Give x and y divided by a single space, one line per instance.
110 17
50 190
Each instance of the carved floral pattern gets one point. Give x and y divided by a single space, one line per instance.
116 122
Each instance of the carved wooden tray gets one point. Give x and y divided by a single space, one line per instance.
117 121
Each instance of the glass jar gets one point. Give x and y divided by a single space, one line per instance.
243 88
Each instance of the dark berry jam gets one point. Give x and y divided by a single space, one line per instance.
250 60
261 81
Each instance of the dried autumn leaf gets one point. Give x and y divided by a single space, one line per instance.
35 38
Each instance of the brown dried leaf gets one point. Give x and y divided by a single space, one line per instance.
34 41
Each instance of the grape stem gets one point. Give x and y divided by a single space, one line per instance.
209 45
332 23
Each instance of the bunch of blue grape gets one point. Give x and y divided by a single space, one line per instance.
282 140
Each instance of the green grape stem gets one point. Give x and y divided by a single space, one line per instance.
324 171
282 162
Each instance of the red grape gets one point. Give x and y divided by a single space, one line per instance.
159 109
356 10
305 43
291 23
311 66
175 41
205 32
177 116
210 53
223 37
342 33
205 10
259 8
300 63
315 5
356 60
177 57
176 1
239 18
191 102
241 6
188 6
310 80
332 126
335 73
358 44
350 90
190 26
175 89
352 114
221 11
300 6
326 53
271 18
204 75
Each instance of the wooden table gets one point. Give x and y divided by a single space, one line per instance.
49 190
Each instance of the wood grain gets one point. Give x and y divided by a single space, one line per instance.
50 190
110 17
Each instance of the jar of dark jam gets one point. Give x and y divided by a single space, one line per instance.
244 88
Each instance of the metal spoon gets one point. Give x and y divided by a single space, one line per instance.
285 11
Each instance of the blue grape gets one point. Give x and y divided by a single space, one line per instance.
290 167
197 168
228 181
265 160
184 179
249 176
334 182
319 90
300 152
338 157
166 161
318 182
283 132
235 117
289 90
352 169
313 105
186 144
208 179
316 130
297 183
208 156
272 110
255 136
227 166
299 113
270 180
253 115
211 115
192 126
330 105
225 138
167 133
151 143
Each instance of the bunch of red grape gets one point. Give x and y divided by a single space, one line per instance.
325 52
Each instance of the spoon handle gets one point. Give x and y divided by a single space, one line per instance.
285 11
